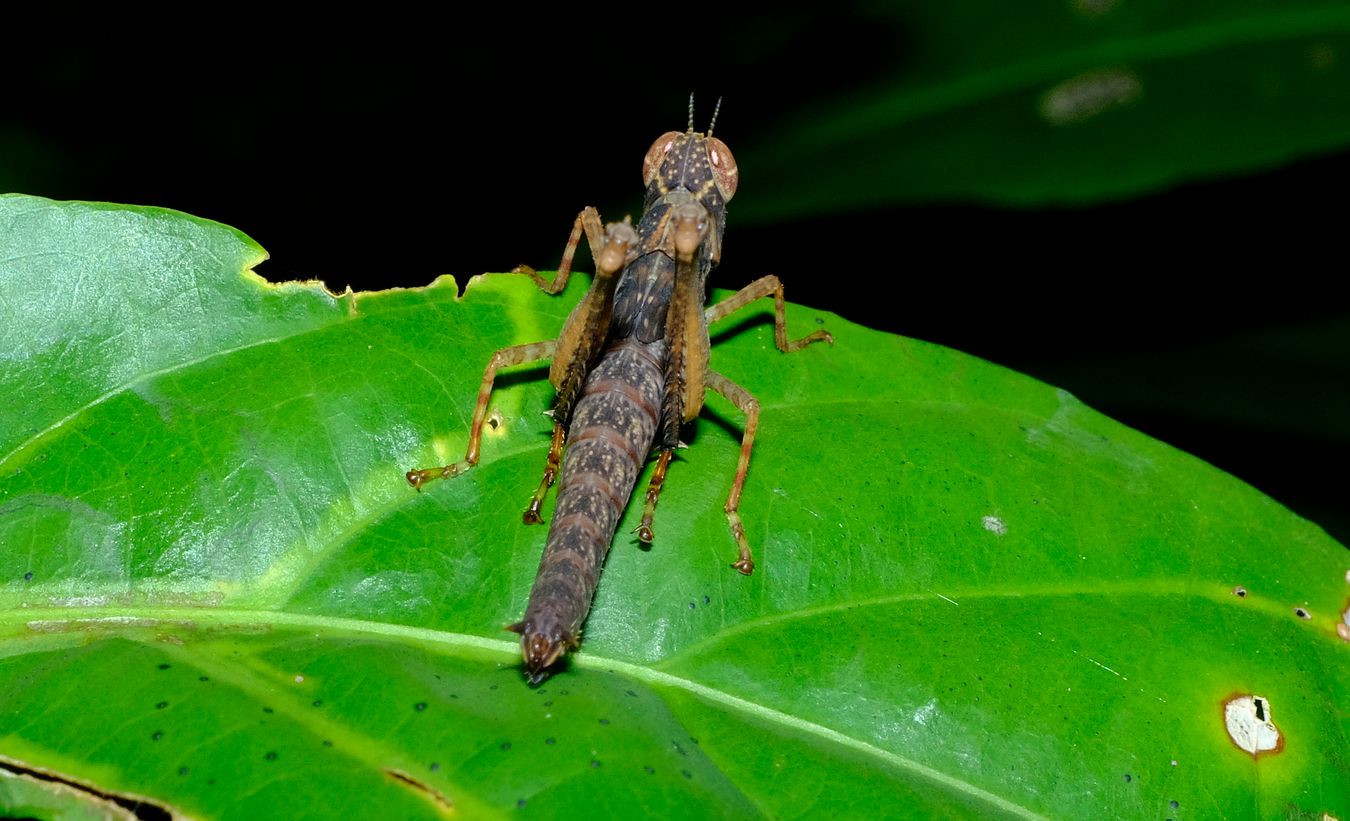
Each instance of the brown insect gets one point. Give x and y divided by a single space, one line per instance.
630 368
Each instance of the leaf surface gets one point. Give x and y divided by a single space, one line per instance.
974 595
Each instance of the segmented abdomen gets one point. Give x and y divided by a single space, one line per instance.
611 433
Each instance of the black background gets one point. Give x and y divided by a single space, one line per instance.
384 147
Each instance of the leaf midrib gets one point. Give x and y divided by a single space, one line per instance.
53 620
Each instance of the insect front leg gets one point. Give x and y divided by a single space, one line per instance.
748 405
762 287
514 355
589 221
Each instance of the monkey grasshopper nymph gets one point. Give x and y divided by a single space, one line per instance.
630 368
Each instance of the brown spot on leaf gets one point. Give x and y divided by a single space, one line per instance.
444 806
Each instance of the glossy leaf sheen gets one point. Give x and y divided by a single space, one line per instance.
975 596
1077 102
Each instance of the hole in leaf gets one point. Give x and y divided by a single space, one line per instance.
1251 726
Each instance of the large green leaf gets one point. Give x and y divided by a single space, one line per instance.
1073 101
975 596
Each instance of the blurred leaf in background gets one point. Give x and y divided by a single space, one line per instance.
976 596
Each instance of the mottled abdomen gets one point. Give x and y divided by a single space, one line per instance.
611 432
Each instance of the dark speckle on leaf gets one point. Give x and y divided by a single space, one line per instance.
161 705
182 770
550 740
318 702
203 678
604 721
420 706
435 766
327 743
649 770
595 764
164 665
506 745
686 774
271 755
28 577
520 803
156 735
268 710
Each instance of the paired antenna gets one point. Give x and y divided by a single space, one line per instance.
711 122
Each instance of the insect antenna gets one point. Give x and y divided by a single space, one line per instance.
713 121
691 112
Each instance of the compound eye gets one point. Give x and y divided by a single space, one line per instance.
723 166
651 164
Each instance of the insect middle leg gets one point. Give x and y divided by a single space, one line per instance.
762 287
532 515
644 530
748 405
514 355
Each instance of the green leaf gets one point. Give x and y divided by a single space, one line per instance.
975 596
1071 102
